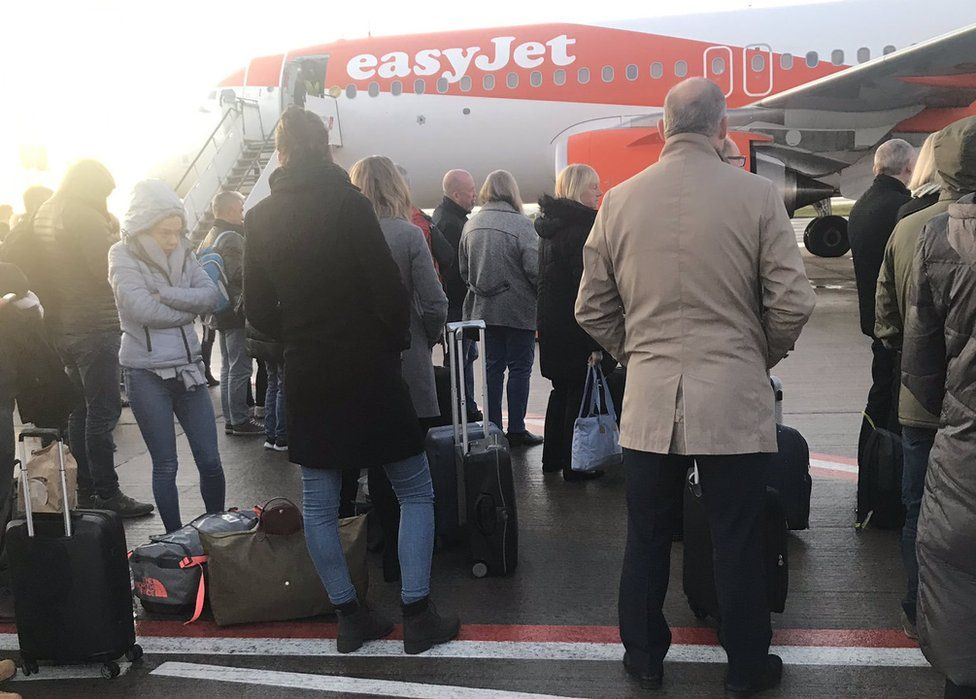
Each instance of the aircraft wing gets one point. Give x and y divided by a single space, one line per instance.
940 72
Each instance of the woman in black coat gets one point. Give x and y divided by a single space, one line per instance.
319 277
563 224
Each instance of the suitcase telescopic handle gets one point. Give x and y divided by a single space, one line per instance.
25 477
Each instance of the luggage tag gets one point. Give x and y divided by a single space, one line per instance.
695 481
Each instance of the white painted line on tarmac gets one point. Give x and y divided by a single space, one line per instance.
518 650
833 466
67 672
333 683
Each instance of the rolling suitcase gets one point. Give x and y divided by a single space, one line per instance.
71 586
789 470
471 468
698 571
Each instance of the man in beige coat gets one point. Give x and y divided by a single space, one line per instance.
693 279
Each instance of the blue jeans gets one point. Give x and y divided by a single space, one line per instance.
154 402
916 445
274 402
92 363
235 375
470 349
411 482
512 349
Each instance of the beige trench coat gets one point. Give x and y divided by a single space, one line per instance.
693 279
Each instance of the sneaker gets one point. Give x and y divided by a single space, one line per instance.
269 443
524 439
358 624
771 676
123 505
908 626
281 444
228 428
248 428
424 628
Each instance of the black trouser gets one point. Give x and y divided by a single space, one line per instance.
206 348
561 414
882 407
733 495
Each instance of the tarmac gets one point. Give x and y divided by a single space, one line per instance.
551 628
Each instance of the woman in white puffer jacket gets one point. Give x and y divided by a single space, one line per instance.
160 289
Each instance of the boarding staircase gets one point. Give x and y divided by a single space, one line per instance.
232 158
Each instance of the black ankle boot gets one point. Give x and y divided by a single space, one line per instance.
358 624
424 628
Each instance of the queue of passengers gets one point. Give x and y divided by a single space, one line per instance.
641 279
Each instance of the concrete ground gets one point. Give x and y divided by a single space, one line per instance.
550 629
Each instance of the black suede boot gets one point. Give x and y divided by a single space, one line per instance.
358 624
424 628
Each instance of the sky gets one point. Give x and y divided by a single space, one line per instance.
122 81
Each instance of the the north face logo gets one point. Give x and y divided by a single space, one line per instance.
150 587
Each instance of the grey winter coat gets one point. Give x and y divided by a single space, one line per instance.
939 368
157 333
428 310
499 261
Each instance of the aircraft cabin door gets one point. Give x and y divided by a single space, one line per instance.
757 70
719 67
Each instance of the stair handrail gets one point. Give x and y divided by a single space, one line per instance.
203 149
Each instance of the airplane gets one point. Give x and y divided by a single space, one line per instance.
812 91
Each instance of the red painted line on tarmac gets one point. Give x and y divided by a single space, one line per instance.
516 633
834 475
837 459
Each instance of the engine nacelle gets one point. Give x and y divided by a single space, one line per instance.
797 189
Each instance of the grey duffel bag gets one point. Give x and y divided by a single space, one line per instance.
168 572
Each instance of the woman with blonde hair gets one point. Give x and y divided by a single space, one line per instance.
563 224
319 277
926 185
499 261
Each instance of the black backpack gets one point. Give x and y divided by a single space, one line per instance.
879 482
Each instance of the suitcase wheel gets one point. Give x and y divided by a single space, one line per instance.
479 569
111 670
134 654
28 665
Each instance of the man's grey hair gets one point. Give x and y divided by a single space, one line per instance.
892 157
222 200
696 105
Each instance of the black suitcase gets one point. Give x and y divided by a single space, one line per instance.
70 577
471 469
698 571
789 470
789 475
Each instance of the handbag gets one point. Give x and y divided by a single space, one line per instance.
596 437
267 574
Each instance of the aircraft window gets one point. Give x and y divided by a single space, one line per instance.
512 80
374 89
419 86
583 76
607 74
351 91
488 82
466 83
657 70
786 61
442 85
718 65
863 54
837 57
535 79
758 63
559 77
888 49
396 88
632 72
813 59
680 69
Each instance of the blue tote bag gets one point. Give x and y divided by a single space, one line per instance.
596 438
